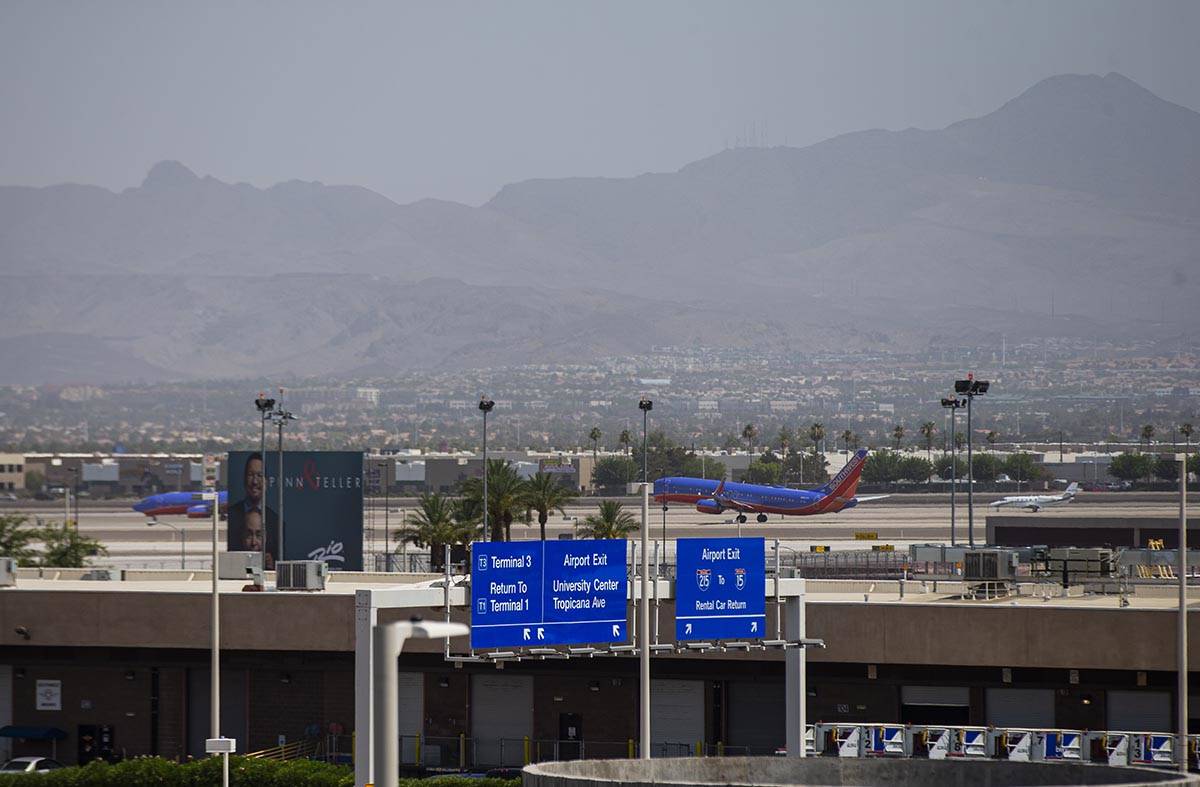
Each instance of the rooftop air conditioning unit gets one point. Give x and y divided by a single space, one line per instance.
102 575
301 574
989 565
240 565
8 572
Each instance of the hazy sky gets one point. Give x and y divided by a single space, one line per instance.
453 100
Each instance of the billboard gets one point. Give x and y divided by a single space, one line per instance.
322 506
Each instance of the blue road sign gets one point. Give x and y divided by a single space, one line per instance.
720 588
538 593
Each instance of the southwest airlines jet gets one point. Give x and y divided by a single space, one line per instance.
712 497
169 503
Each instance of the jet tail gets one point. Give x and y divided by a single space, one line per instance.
845 483
1072 489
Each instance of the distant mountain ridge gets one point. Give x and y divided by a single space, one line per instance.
1084 189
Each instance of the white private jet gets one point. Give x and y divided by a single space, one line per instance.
1036 503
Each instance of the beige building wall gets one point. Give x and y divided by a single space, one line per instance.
12 472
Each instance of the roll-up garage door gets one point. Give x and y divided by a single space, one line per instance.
412 713
1139 711
501 718
757 716
676 716
935 704
5 709
1020 708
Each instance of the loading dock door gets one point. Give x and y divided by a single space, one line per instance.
757 716
676 716
1139 711
1020 708
412 713
935 705
501 718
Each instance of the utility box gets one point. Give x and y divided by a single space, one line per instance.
240 565
301 574
8 572
1075 565
990 565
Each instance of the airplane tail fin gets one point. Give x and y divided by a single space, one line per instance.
1072 489
845 483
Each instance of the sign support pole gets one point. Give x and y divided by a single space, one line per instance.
1182 644
796 678
644 629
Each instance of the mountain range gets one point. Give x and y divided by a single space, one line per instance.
1072 209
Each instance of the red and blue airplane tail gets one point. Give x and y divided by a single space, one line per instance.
844 485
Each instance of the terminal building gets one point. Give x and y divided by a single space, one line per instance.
126 660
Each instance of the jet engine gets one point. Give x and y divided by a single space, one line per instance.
709 507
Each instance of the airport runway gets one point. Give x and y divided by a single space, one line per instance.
133 544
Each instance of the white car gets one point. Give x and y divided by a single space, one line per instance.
30 765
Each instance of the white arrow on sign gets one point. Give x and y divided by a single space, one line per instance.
541 633
616 630
526 633
687 628
753 625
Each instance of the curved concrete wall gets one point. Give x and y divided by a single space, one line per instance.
830 772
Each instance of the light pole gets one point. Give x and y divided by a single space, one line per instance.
970 388
387 505
388 641
280 417
264 406
645 405
1181 644
485 407
182 539
953 404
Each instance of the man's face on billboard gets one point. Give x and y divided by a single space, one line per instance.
254 479
252 538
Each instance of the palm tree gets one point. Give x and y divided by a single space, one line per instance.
1147 434
991 437
610 522
594 436
816 433
1186 431
749 434
786 438
626 440
434 525
847 436
543 493
927 430
898 435
505 487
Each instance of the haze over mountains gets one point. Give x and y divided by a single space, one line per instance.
1084 191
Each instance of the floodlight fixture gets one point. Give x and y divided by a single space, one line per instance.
263 403
645 404
486 404
971 388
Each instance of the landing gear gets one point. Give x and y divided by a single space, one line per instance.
762 518
741 519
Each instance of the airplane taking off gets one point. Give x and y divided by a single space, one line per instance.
1036 503
169 503
712 497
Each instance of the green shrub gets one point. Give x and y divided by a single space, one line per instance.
155 771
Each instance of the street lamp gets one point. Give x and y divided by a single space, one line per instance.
485 407
970 388
954 404
388 641
645 405
279 417
264 406
182 540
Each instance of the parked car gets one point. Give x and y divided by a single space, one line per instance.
30 765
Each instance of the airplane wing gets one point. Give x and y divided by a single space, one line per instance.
869 498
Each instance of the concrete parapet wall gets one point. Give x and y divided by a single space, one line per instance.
830 771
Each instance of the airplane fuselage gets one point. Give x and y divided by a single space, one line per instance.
178 504
753 498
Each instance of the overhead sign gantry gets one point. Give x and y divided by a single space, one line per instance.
539 593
